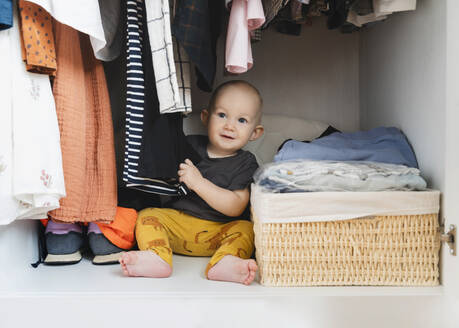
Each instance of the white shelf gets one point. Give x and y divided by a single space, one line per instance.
187 281
88 295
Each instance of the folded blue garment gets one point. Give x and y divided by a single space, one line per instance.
6 14
385 145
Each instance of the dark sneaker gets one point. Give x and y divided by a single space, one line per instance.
63 243
104 251
63 249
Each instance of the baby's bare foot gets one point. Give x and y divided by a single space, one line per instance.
144 264
235 269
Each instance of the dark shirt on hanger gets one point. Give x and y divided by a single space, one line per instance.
197 25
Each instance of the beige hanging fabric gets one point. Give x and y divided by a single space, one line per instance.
86 131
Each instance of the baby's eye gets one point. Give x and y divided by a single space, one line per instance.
242 120
222 115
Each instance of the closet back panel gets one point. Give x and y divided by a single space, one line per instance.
313 76
403 81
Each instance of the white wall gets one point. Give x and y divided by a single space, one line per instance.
18 249
451 208
313 76
402 81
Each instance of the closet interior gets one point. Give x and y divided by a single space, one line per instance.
399 72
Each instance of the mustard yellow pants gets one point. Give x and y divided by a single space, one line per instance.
166 231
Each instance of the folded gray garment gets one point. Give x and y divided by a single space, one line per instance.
305 175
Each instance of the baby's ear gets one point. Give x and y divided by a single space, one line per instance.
257 132
205 117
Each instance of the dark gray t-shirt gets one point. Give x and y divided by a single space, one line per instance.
232 173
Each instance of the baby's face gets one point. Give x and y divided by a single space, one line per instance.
232 122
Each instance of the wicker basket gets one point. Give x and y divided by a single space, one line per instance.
391 250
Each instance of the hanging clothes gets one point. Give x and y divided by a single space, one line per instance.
155 144
197 25
380 10
362 12
6 14
84 16
159 31
271 8
391 6
86 130
120 232
37 42
31 175
170 62
290 19
183 69
337 13
245 16
110 12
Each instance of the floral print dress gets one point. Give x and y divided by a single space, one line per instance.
31 175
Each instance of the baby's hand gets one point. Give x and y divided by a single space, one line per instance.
189 174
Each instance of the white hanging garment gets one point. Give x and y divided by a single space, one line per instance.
359 20
31 175
381 9
83 16
385 7
172 97
8 204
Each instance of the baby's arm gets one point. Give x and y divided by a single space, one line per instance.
227 202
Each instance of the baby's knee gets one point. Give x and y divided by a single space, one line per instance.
245 227
147 220
146 212
146 215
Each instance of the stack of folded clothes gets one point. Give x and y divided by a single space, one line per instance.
376 160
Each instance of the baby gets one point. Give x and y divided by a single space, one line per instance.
212 220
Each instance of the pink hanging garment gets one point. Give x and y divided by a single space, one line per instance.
245 16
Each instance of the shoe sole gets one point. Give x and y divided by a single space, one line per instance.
63 259
107 259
